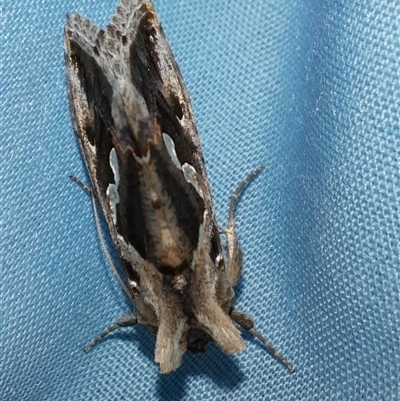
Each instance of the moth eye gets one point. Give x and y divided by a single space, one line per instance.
96 51
124 40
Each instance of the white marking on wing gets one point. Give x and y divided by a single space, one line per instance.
112 189
170 145
191 177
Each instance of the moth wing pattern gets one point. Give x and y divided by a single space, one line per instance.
135 126
134 120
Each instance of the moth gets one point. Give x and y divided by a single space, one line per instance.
135 126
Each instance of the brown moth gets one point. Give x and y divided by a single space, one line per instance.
135 126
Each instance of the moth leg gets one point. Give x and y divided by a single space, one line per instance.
247 323
92 194
87 189
124 321
234 251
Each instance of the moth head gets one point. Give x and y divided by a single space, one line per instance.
197 341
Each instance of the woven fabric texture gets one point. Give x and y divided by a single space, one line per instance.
309 89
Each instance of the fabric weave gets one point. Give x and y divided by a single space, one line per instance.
310 89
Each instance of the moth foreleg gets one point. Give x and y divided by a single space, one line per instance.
234 251
87 189
247 323
124 321
92 194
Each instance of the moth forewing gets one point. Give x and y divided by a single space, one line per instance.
135 125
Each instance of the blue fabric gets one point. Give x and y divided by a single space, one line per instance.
309 89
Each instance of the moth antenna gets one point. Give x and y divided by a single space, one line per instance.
124 321
246 322
272 350
90 191
105 249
